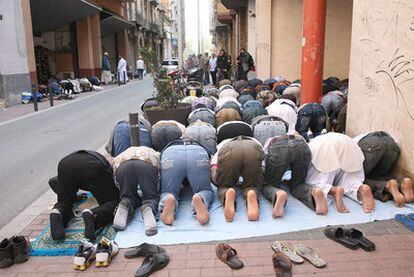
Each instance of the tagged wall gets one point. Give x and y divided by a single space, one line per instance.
381 95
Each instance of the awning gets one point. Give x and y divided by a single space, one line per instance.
112 24
48 15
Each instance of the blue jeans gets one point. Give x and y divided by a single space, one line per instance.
313 117
185 161
122 139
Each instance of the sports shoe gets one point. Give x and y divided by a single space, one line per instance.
20 249
121 215
6 254
85 256
56 225
106 251
89 221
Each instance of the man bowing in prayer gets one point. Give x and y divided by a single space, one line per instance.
122 70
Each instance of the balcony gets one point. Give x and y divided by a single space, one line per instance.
155 28
234 4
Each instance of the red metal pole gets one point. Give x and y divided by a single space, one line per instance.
313 44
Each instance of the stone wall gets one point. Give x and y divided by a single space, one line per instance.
381 95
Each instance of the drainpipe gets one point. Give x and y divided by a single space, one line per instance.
313 46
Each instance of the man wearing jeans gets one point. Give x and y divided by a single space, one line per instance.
239 156
136 173
282 153
381 153
311 116
266 126
179 160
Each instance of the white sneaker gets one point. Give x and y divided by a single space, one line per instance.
85 256
105 252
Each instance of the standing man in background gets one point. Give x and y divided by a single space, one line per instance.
140 68
106 69
206 67
122 70
212 65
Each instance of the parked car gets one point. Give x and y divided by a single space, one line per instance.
170 65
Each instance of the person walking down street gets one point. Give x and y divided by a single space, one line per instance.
122 70
89 171
106 69
140 68
223 66
136 173
245 63
212 65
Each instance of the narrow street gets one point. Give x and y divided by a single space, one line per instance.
32 146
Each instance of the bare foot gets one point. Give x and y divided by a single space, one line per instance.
321 205
229 208
168 211
407 190
202 214
392 187
279 207
368 203
338 195
252 206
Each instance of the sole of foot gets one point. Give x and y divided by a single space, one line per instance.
407 190
321 205
252 206
229 208
201 210
56 226
338 194
392 187
89 221
279 207
167 215
368 203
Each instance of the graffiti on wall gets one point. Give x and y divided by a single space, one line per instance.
387 38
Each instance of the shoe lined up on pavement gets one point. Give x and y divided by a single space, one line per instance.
14 251
102 253
155 259
350 238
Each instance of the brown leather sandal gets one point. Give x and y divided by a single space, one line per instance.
228 255
282 265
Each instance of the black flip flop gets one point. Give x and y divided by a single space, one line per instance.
338 234
152 263
357 235
143 250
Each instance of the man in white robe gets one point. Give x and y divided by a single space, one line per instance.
122 70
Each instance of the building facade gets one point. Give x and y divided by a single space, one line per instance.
271 30
67 39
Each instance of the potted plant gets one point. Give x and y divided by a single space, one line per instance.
165 105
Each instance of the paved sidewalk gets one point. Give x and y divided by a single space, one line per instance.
393 257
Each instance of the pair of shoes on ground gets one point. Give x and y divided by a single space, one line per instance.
286 254
155 259
103 253
57 228
14 251
124 213
350 238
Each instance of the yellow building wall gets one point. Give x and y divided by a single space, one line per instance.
286 42
381 92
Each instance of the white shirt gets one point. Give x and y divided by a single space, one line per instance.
286 111
350 181
140 64
225 99
228 93
213 64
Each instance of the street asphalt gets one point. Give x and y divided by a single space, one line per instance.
32 146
